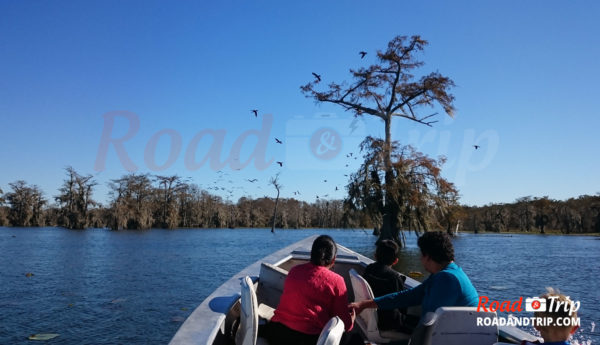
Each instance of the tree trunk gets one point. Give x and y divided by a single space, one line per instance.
275 212
390 229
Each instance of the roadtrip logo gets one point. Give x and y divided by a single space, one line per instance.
532 304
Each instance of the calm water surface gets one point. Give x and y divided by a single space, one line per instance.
105 287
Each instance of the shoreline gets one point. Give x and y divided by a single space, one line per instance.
368 231
519 232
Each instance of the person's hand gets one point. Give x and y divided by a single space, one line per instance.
352 315
356 308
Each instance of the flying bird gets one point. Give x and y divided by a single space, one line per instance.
476 146
324 180
362 54
255 111
280 164
278 141
253 180
317 76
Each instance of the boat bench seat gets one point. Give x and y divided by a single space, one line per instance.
270 285
455 326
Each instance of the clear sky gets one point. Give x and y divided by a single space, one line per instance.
526 72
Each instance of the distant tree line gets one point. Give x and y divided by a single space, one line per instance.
143 201
531 214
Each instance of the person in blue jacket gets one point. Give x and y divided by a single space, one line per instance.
447 286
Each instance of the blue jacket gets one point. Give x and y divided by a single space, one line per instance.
448 288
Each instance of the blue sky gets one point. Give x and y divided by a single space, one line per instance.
526 90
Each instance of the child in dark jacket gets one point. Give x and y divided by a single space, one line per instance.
384 280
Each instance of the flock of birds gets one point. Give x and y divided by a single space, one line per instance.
225 184
255 112
217 184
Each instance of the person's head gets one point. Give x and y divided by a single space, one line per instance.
437 250
556 332
323 251
387 252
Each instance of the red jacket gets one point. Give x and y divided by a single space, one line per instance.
312 295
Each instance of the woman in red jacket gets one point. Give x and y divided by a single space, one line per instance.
312 294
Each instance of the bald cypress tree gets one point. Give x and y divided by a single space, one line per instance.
388 90
75 200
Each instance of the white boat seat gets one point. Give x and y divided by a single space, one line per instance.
456 326
367 319
332 332
247 333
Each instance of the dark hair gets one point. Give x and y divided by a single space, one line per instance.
386 252
437 246
323 251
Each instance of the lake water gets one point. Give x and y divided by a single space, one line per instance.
137 287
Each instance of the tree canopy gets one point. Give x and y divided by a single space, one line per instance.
423 196
75 200
389 88
26 204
